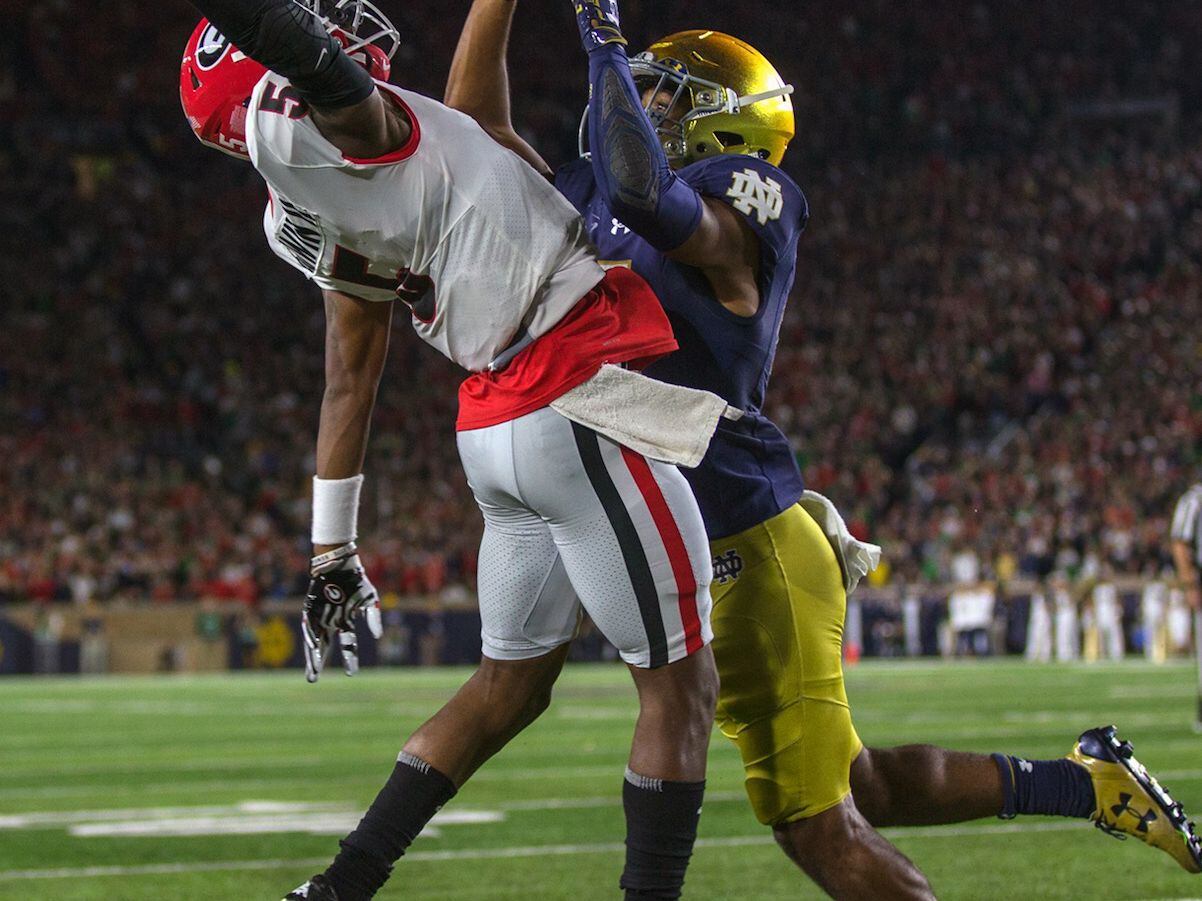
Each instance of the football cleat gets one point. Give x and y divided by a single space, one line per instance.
316 889
1130 802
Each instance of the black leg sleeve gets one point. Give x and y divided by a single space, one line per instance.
288 39
661 827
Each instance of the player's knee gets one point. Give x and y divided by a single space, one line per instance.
692 691
513 696
537 703
705 689
699 711
677 702
515 713
871 792
828 838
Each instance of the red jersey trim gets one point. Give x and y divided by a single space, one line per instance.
619 321
555 390
403 152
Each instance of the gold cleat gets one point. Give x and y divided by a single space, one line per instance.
1129 801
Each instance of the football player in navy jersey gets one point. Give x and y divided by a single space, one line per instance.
682 184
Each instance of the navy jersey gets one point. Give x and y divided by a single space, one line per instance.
749 473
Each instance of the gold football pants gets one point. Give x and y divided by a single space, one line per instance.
778 613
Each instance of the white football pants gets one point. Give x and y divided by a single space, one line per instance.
573 519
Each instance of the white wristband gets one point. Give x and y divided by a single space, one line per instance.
336 509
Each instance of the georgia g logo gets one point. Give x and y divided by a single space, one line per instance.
333 594
211 47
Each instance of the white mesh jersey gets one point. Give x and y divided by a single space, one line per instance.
482 248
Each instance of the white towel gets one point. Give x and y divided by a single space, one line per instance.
658 420
856 558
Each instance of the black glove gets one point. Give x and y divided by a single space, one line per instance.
338 591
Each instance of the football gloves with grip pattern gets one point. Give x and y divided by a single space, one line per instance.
338 592
598 23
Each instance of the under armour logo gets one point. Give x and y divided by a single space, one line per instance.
754 194
1026 766
618 225
728 566
1124 806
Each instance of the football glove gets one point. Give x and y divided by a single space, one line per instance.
338 591
598 23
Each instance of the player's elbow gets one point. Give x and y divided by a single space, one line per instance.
632 184
648 198
352 386
638 208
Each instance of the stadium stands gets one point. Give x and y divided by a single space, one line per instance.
990 360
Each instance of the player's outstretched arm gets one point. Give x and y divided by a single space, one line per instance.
479 80
356 347
632 169
286 38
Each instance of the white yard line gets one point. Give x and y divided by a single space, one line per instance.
498 853
246 818
52 819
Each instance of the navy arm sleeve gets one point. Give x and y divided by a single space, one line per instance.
289 40
629 164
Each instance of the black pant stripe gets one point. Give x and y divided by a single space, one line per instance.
637 566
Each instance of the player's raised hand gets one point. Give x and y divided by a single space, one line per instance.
338 591
598 23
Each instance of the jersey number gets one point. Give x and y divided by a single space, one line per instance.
416 291
285 101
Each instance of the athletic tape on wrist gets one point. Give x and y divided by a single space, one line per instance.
336 509
333 559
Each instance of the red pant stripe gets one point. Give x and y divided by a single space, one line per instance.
678 555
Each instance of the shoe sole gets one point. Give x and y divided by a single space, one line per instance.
1124 755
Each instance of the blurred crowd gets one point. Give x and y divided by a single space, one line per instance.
991 360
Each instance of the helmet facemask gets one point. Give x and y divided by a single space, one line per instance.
358 22
656 82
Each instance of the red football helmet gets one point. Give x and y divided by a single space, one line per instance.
215 83
216 79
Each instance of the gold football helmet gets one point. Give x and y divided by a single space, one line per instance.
734 100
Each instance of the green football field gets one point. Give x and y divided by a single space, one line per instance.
238 786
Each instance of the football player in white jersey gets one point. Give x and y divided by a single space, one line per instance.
378 194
